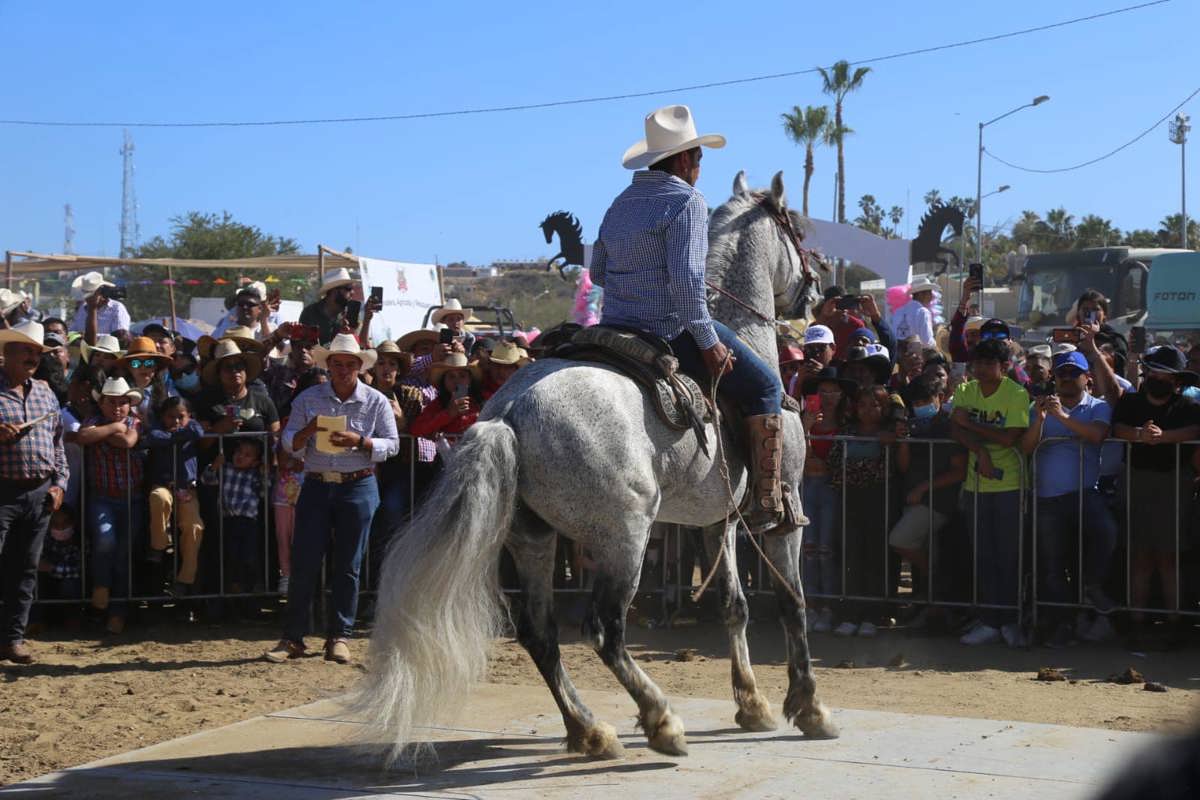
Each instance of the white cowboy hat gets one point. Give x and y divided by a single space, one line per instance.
669 130
117 387
452 306
28 332
87 283
10 300
335 278
225 350
344 343
105 343
923 285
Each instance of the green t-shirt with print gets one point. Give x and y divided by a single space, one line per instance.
1007 407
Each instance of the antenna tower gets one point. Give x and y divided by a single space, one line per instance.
130 232
68 229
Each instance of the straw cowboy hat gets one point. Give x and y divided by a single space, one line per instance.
105 343
451 362
117 387
10 300
669 130
28 332
411 339
242 335
506 354
335 278
344 344
452 306
143 348
923 285
225 350
87 283
392 350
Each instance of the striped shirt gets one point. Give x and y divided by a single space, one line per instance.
650 257
418 377
367 412
39 452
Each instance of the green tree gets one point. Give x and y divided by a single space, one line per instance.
196 235
838 81
1095 231
808 126
872 217
1142 237
1170 228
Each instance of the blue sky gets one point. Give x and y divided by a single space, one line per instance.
475 187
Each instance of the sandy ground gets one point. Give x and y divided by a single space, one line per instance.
89 697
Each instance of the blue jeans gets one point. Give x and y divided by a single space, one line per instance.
753 385
997 548
823 505
114 524
345 511
1058 527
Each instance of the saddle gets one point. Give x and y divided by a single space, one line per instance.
677 398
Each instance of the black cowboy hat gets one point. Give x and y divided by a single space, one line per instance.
827 374
1166 358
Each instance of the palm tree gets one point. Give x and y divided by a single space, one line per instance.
807 126
839 83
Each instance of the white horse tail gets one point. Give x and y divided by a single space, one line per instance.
439 604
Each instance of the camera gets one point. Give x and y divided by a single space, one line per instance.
848 302
1068 335
975 272
112 292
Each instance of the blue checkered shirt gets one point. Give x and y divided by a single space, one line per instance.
650 259
241 489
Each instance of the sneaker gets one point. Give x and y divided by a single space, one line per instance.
867 630
284 580
1014 636
1100 631
824 622
1060 638
1099 600
980 634
337 650
847 628
284 650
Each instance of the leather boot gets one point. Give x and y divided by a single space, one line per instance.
770 509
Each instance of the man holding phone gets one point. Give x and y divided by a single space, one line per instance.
101 310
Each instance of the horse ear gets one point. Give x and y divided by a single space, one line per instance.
740 187
778 195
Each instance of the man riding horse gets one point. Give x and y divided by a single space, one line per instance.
650 259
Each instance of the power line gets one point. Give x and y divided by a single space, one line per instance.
1097 159
579 100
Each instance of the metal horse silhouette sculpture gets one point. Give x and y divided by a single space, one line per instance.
570 241
927 247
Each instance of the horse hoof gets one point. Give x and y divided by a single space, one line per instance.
817 723
668 738
599 741
755 716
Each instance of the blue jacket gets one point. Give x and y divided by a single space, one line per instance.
163 466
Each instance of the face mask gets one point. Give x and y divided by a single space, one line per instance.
924 412
187 382
1159 388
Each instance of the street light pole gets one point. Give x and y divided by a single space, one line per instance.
1037 101
1178 132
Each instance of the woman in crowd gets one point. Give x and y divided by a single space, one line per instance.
459 398
146 369
500 364
228 405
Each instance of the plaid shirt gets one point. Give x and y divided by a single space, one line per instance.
112 470
650 256
418 377
241 489
110 317
39 452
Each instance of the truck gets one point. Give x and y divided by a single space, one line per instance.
1052 282
1173 297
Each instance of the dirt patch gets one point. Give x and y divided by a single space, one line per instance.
90 697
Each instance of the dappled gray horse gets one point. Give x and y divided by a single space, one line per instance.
575 448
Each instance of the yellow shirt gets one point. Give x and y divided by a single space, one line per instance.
1007 407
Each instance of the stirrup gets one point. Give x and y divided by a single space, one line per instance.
788 520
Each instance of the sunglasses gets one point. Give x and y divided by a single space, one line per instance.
233 366
139 363
984 336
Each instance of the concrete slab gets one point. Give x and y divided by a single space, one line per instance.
511 746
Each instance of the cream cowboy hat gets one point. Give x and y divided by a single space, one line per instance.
392 350
669 130
507 354
335 278
87 283
242 335
344 344
28 332
923 285
411 339
105 343
117 387
452 361
452 306
225 350
10 300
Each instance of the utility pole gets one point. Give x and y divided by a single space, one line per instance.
1178 131
68 229
130 233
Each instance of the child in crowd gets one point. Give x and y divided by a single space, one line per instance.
289 478
172 474
80 406
241 481
115 503
59 568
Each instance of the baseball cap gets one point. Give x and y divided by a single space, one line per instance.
1074 358
994 329
864 333
818 334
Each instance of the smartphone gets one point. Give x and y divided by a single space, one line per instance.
975 272
1137 339
352 310
1069 335
848 302
377 294
113 292
461 391
445 336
